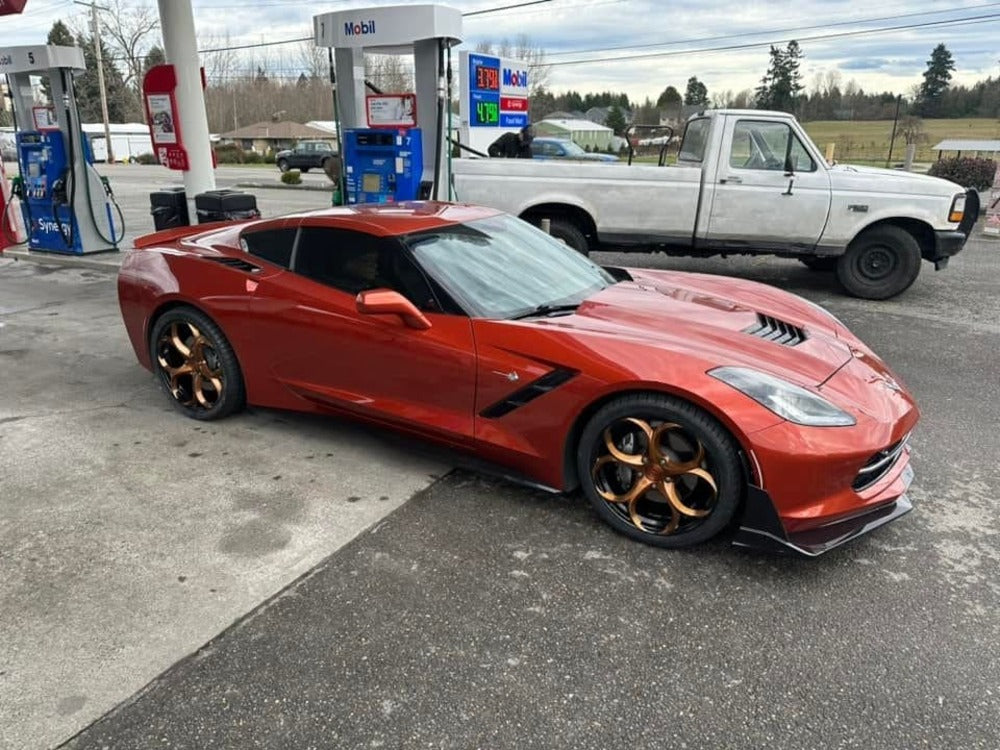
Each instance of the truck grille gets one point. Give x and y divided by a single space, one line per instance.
778 331
879 465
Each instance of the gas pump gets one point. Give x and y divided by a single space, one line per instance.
389 154
67 206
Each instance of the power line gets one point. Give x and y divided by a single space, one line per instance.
745 34
753 45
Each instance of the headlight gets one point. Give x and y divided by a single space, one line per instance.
957 212
783 398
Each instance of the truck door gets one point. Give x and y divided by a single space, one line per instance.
770 189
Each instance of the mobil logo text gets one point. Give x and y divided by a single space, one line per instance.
515 79
359 28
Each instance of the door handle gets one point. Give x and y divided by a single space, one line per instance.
734 180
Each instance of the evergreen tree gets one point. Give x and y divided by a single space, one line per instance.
155 56
782 83
696 94
670 97
937 78
616 120
123 106
60 35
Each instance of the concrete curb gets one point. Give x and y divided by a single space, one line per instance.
282 186
110 261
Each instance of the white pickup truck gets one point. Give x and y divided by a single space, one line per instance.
746 181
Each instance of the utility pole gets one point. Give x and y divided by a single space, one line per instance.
96 31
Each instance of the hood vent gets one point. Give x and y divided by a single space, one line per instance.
772 329
239 263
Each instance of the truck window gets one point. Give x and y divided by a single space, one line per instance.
763 145
695 138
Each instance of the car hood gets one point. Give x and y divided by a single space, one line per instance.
879 180
722 320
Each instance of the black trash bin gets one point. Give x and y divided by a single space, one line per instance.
169 208
225 205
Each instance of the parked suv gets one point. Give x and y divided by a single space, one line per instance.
305 156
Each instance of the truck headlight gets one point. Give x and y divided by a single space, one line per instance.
957 212
785 399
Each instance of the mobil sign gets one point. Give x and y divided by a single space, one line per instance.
513 79
513 94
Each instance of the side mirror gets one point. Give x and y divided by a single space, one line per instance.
388 302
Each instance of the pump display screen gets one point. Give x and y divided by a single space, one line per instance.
487 79
371 182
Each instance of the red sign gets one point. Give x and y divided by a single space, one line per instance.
173 157
513 104
10 7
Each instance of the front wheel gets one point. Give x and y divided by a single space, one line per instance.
283 165
880 263
660 470
195 365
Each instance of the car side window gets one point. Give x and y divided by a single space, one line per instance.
273 245
353 262
764 145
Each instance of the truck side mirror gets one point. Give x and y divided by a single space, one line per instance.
389 302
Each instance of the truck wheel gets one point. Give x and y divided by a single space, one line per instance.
820 264
880 263
568 233
283 165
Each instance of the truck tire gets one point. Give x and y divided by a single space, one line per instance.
568 233
822 263
880 263
283 165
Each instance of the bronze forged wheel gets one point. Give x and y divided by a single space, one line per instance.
195 364
660 470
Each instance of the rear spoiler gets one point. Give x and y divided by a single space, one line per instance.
168 235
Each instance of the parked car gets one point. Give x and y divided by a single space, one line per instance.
746 181
305 156
680 404
563 148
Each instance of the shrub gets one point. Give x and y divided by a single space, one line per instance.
251 157
291 177
268 157
967 171
146 159
229 153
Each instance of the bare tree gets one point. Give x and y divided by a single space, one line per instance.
389 73
525 50
130 29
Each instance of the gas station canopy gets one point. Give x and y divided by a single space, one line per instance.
392 29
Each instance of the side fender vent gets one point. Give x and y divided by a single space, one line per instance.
778 331
238 263
530 392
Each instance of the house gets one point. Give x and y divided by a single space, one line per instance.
273 136
583 132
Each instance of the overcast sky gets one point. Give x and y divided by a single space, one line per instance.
613 31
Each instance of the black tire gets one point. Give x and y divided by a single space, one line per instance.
697 447
195 365
568 233
283 165
880 263
304 169
820 264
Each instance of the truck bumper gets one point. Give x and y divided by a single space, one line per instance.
949 242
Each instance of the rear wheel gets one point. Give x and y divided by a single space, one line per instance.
880 263
195 365
660 470
568 233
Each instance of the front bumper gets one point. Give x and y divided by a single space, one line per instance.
949 242
761 528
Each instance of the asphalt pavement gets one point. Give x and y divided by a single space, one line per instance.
476 613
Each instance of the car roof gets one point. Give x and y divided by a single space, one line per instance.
383 219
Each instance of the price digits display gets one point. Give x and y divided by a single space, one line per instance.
487 112
487 79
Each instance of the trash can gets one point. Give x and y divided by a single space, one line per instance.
225 205
169 208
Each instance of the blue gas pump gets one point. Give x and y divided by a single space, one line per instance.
67 206
48 215
382 166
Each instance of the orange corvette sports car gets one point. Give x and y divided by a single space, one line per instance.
682 405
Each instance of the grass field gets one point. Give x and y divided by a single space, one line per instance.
866 141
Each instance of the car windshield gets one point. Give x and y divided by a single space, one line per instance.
502 267
573 149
